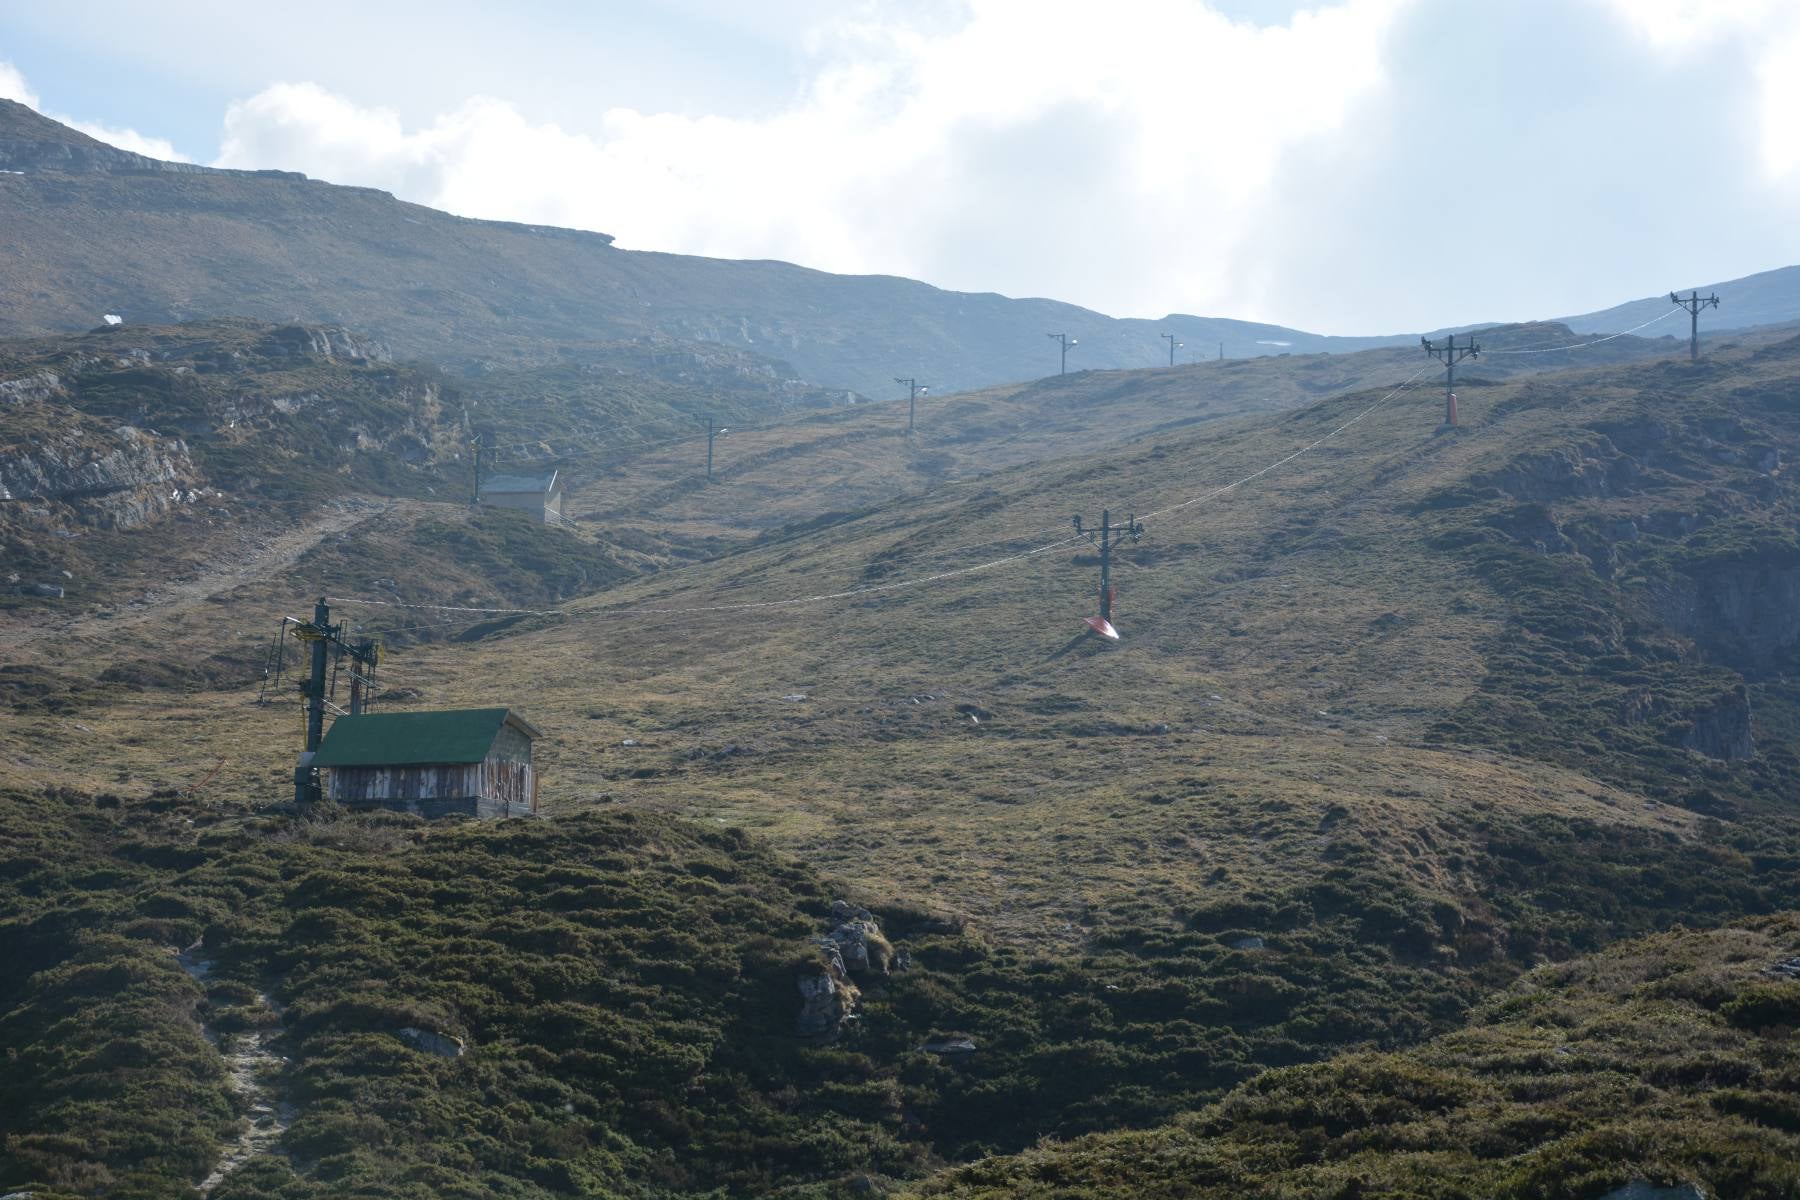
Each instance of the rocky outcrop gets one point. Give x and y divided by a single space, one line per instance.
854 947
43 385
1565 473
1722 730
322 341
1745 612
828 999
1639 1189
119 479
858 939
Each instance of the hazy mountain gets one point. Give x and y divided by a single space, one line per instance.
1766 298
89 229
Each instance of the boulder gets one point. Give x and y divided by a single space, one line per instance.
1639 1189
432 1042
951 1047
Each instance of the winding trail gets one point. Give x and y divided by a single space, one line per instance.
252 1063
252 556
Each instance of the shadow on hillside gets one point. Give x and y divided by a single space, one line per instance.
1086 638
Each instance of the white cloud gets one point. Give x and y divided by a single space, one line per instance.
1768 31
14 87
1356 166
128 139
1039 147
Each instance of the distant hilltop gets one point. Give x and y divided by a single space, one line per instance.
91 229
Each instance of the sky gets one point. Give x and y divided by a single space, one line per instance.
1363 166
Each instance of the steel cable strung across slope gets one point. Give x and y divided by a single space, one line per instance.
841 415
1281 462
741 606
1584 345
872 589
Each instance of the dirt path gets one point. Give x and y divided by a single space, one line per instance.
253 1065
250 555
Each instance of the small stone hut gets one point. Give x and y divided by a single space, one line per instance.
540 495
472 762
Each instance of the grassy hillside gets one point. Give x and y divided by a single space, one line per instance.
89 230
1670 1061
1394 721
86 233
805 467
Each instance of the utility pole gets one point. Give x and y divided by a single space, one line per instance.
475 496
711 433
323 637
1221 351
914 389
1451 353
318 634
1065 341
1694 303
1173 346
1132 528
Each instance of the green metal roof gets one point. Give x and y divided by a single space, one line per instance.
463 735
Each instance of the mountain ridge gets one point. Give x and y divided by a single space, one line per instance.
92 230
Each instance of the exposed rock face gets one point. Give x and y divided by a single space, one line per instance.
121 479
1722 731
322 341
1565 473
1745 613
827 997
951 1047
29 142
43 385
858 939
855 946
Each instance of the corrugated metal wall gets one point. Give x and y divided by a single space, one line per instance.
490 788
532 502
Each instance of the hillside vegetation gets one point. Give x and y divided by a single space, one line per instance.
1401 714
1669 1061
1433 830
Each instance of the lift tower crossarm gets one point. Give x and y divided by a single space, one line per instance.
914 389
322 637
1694 302
1132 528
1451 353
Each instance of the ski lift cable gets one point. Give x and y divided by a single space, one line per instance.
1281 462
873 589
1584 345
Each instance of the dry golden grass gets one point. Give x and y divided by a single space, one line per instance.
1286 643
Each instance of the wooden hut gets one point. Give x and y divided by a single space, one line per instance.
539 495
470 762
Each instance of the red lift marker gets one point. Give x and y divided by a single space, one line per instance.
1103 627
